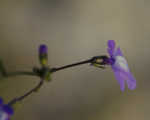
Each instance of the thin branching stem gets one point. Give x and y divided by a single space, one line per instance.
20 73
41 73
38 86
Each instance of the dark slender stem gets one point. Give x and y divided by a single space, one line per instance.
42 71
70 65
12 102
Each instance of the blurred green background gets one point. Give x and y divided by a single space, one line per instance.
75 30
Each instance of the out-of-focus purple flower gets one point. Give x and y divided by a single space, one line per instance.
120 66
5 111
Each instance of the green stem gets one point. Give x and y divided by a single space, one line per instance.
20 73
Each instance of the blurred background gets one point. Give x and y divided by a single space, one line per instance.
76 30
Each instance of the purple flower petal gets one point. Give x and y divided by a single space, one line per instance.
3 115
111 44
5 111
122 75
131 82
120 79
110 51
118 52
8 109
111 47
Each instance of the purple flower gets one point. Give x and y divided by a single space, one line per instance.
5 111
120 66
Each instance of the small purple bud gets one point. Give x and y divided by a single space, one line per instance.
43 49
